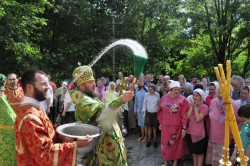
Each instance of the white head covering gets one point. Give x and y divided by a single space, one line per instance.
201 93
217 87
174 84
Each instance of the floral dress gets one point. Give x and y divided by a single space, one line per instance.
172 115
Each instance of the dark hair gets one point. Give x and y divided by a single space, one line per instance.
11 74
152 86
28 77
245 88
198 86
244 111
212 84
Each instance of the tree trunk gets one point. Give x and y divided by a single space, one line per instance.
246 65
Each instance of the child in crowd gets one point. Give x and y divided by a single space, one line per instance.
150 107
244 113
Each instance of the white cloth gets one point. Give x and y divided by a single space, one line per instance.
151 102
174 84
118 81
49 95
32 101
201 92
68 99
105 96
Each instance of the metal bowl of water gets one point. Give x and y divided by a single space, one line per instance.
80 131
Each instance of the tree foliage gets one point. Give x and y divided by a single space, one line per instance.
181 37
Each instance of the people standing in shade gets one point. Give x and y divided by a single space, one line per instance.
68 113
237 83
60 105
99 89
36 140
13 91
7 133
172 116
59 90
196 131
139 98
110 148
216 128
244 96
150 108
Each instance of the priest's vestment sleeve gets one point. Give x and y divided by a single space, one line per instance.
35 144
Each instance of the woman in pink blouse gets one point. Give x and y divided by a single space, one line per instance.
172 116
217 129
196 132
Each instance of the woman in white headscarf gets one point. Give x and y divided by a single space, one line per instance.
111 94
172 116
196 131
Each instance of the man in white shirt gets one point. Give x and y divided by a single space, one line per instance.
69 110
46 104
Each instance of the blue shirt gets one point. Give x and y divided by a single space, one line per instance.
139 98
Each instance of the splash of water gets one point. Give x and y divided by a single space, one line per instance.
136 48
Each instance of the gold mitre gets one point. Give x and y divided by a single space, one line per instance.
83 74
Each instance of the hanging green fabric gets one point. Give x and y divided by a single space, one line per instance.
139 63
7 134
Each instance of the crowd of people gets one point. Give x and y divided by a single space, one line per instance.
190 116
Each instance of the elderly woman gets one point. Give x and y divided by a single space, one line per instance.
217 129
244 96
172 116
111 94
139 98
196 131
188 89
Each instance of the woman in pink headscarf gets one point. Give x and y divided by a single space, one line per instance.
172 116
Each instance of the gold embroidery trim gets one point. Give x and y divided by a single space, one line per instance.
6 127
74 155
56 153
29 116
20 150
16 103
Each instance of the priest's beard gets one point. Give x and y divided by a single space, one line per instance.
38 95
92 93
13 85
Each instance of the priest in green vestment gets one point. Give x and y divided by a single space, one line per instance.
7 134
110 149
